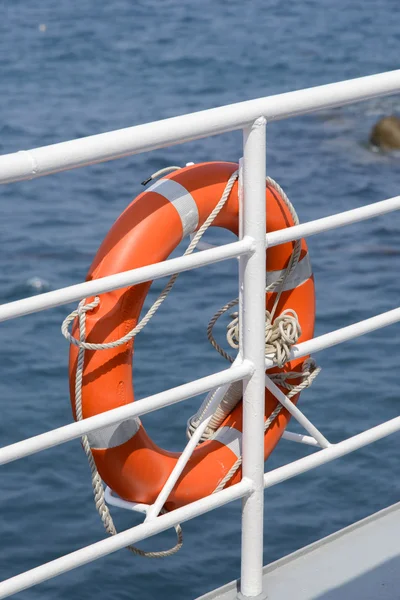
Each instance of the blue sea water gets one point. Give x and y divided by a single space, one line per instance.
73 69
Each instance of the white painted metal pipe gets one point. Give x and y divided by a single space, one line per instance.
202 245
328 454
116 415
121 540
252 298
300 438
296 413
114 500
355 215
217 396
74 293
154 510
142 138
341 335
77 292
333 221
347 333
74 430
133 535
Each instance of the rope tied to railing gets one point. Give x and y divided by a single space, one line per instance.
164 293
97 482
309 372
281 333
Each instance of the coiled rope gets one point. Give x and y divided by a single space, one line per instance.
281 333
286 326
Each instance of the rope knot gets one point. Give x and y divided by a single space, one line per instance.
79 312
280 334
84 308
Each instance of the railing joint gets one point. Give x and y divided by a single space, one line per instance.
250 485
247 363
251 244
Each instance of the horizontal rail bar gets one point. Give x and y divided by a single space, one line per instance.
333 221
145 530
121 540
300 438
75 430
72 431
344 334
77 292
328 454
210 255
143 138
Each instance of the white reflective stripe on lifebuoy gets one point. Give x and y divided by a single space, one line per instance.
114 435
230 437
182 200
301 273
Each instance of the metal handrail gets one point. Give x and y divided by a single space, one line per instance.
215 254
74 293
250 250
177 130
74 430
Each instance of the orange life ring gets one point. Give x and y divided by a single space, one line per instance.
147 232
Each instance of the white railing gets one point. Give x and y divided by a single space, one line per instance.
250 367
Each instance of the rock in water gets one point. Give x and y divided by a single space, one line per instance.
386 133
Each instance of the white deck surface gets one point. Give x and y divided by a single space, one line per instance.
360 562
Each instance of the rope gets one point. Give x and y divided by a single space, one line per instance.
232 393
161 172
80 313
153 309
285 322
281 334
97 483
309 372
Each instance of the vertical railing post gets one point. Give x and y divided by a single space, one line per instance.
252 311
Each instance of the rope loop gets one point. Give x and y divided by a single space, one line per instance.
78 312
281 333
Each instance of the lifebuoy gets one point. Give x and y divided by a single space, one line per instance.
145 233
